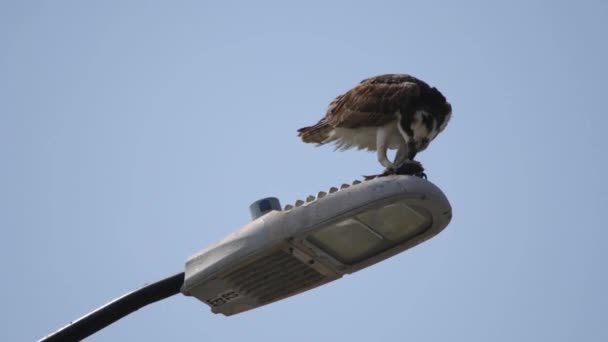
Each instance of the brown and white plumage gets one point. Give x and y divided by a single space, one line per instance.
392 111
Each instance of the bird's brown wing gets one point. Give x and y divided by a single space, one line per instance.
373 102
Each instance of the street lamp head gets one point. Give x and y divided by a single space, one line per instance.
285 252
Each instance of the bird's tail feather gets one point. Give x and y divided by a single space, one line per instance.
318 133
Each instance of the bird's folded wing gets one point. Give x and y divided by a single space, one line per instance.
373 102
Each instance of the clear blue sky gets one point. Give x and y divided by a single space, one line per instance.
135 133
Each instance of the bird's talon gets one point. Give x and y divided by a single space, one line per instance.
410 168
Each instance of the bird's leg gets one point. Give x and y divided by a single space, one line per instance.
382 142
401 156
404 160
407 151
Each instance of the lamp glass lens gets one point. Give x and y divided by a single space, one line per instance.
348 241
396 222
371 232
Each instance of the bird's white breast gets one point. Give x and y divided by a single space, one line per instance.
364 137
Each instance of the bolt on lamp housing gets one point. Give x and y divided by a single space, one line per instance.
285 252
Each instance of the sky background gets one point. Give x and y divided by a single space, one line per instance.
135 133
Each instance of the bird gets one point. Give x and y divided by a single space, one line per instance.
389 111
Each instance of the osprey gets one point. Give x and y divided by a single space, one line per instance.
392 111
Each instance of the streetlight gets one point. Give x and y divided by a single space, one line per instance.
284 252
